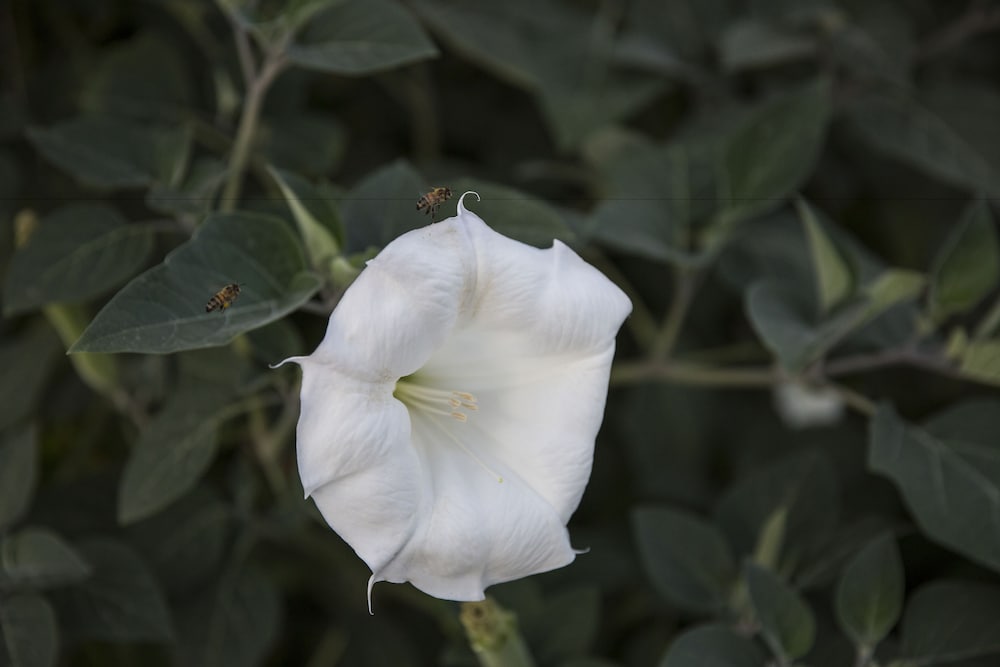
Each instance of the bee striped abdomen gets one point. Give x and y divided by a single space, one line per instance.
223 298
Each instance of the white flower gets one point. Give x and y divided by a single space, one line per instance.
801 406
449 415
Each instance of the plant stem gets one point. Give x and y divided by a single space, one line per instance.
693 374
666 339
493 635
257 89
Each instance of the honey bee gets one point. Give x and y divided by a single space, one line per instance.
433 199
223 298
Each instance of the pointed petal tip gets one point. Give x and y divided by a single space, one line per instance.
371 585
580 552
461 201
294 360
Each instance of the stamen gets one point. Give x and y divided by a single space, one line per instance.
432 401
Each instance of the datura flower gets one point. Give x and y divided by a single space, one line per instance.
449 414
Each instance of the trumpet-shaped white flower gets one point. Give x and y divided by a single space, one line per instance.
449 414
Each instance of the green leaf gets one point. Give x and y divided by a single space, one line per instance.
908 132
786 326
18 473
804 484
185 545
750 44
304 142
513 213
78 252
567 627
834 275
772 153
869 594
233 624
555 51
111 152
383 206
951 486
713 646
891 287
174 450
193 196
967 267
38 558
980 361
320 244
143 77
163 310
120 602
786 620
29 630
359 37
951 620
26 362
686 558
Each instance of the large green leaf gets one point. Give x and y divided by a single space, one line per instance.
142 77
906 131
174 450
951 485
967 266
120 602
686 557
18 473
786 620
305 142
163 310
713 646
555 51
772 153
869 595
358 37
29 632
37 558
77 253
233 623
114 153
947 621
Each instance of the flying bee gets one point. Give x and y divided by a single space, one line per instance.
223 298
433 199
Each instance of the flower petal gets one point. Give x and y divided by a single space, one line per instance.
477 531
401 307
356 461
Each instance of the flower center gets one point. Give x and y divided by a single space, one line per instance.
455 405
452 404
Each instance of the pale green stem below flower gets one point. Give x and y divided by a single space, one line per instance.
493 635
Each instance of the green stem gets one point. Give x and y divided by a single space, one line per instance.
493 635
693 374
249 118
666 339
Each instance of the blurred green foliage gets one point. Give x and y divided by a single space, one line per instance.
799 197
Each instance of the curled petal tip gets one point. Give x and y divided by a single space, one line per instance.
580 552
371 584
294 360
461 204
